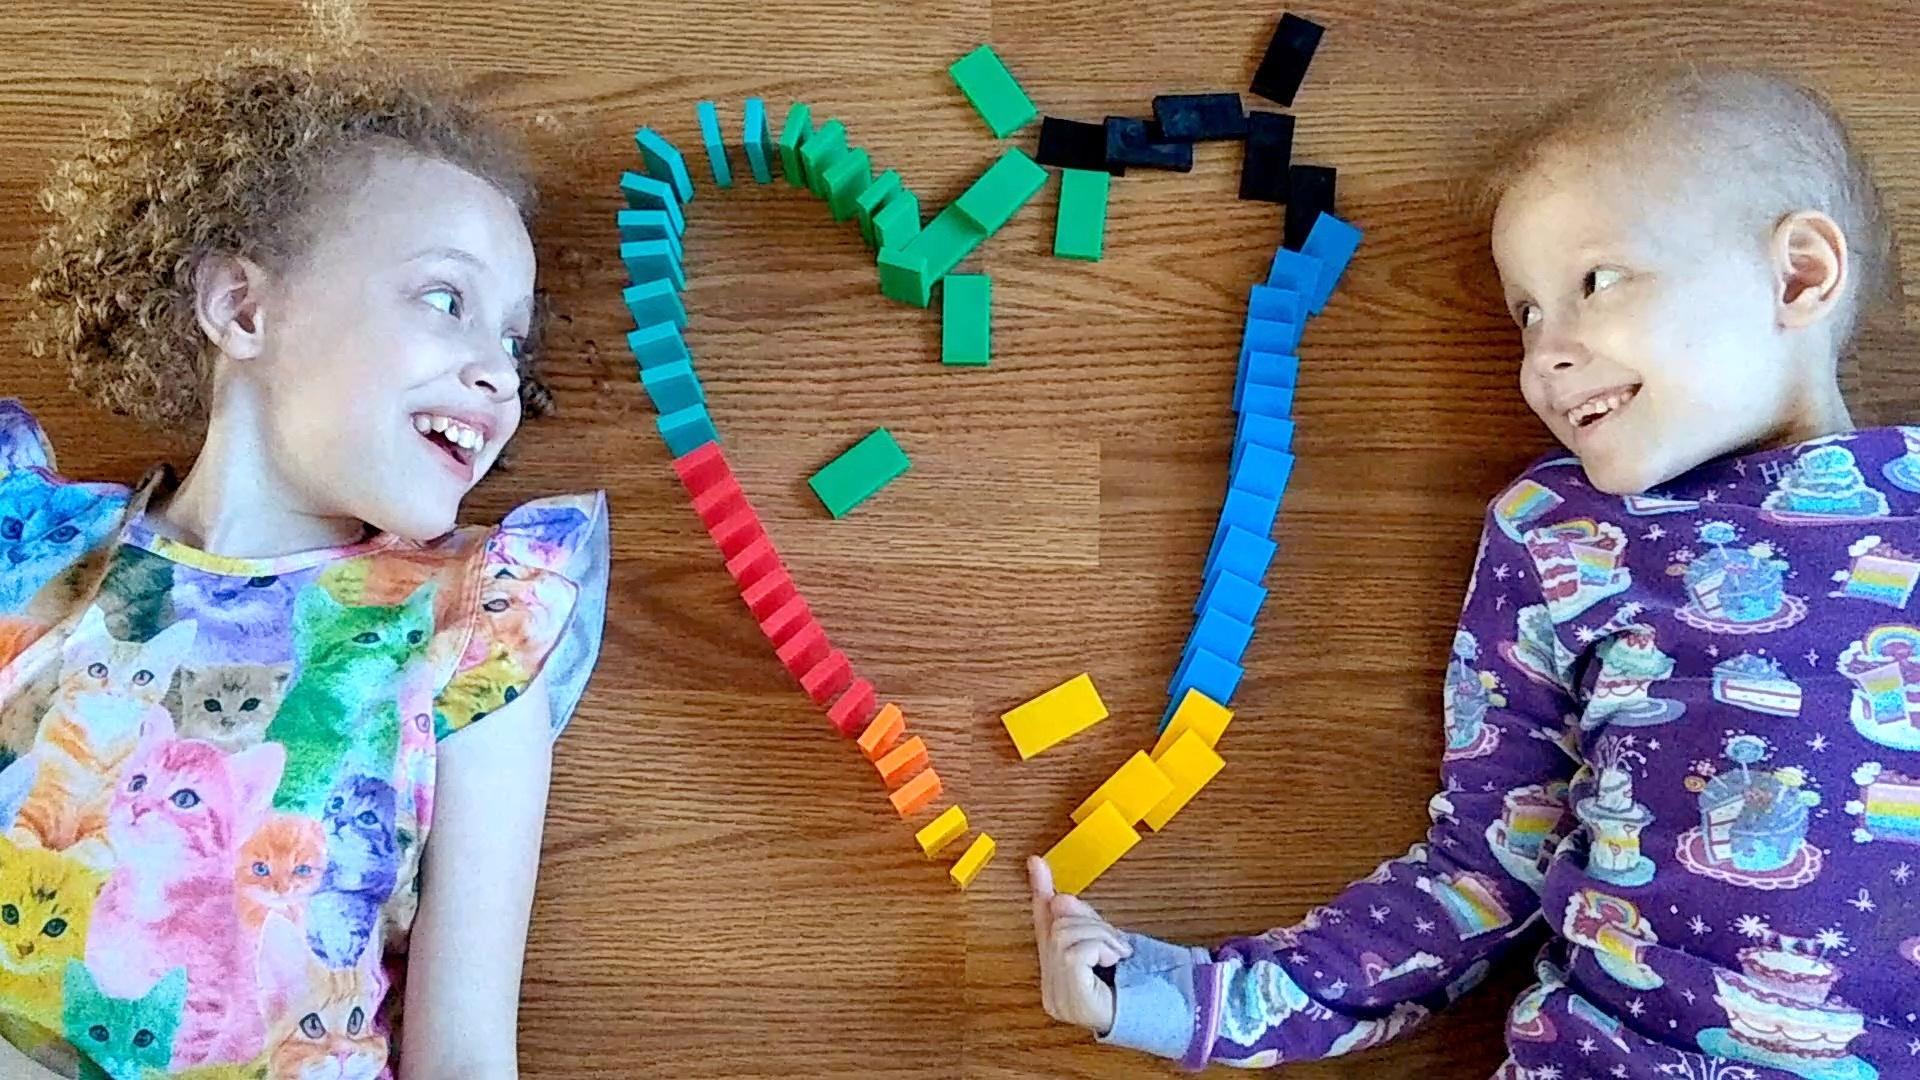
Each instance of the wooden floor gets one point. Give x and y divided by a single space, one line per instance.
726 891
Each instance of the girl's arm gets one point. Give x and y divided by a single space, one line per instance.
463 963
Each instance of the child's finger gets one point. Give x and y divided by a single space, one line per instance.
1070 932
1092 953
1041 875
1067 904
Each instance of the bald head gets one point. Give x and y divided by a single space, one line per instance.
1748 147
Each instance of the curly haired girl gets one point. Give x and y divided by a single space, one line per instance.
236 705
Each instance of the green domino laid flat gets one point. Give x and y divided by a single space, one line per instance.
870 201
655 302
948 238
897 222
966 307
793 135
653 260
845 180
819 152
993 91
1081 229
646 193
1002 190
855 476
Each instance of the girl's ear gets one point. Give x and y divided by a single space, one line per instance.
227 298
1812 268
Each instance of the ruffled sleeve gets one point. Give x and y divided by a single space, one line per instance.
538 608
23 444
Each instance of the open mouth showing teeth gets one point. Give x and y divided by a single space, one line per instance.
1599 407
457 440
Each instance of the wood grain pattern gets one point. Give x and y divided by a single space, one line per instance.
726 892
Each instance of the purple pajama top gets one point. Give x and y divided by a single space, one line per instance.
1683 733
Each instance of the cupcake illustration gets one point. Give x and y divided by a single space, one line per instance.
1903 472
1470 692
1536 650
1879 572
1579 563
1823 487
1618 937
1735 590
1782 1012
1630 663
1885 669
1753 822
1614 820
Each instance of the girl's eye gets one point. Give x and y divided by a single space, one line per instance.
445 299
1599 278
516 348
1527 315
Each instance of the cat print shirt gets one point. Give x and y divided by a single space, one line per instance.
1683 739
219 773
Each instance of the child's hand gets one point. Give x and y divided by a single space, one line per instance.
1074 943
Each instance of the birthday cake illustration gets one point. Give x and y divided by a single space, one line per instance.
1527 819
1469 694
1888 807
1470 900
1757 684
1537 651
1903 472
1885 669
1736 590
1579 565
1614 820
1526 502
1630 663
1617 935
1782 1011
1824 486
1753 822
1879 572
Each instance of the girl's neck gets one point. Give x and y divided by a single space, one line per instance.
234 503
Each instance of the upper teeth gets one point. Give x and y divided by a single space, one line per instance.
1598 406
457 433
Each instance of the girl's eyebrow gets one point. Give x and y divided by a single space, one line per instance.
454 254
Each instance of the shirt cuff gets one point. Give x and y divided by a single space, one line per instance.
1154 1009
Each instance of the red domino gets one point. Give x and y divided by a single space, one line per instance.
703 468
753 562
855 707
828 677
805 649
738 529
786 621
717 502
769 596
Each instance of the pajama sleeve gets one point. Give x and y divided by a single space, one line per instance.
1421 929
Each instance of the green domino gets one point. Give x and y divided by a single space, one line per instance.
871 200
658 345
947 239
792 136
995 95
845 180
647 225
855 476
654 303
664 162
653 260
673 387
819 152
646 193
898 222
1082 226
966 307
1001 191
903 277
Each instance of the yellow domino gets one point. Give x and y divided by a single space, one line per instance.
979 853
1060 713
1199 714
1189 763
951 825
1133 789
1095 844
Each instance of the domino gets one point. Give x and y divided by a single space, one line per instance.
653 260
859 473
1294 272
914 795
1212 675
756 138
1267 157
1310 190
1191 764
1057 715
658 344
655 302
940 833
882 732
845 180
1073 144
819 152
992 200
716 144
1263 471
793 135
993 92
646 193
1192 118
1284 65
686 430
978 855
1080 231
673 387
1137 142
828 677
648 225
855 707
966 320
1333 242
1090 849
1199 714
664 162
1229 592
1134 788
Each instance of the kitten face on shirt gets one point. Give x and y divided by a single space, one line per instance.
1658 323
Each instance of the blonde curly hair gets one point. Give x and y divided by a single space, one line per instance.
229 161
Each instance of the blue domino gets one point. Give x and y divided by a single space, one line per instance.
1295 272
637 225
664 162
1242 510
1262 471
653 260
1263 369
1268 400
1210 674
688 430
659 344
1269 336
655 302
1229 592
1276 304
1333 242
1218 633
1237 551
673 387
646 193
716 146
1272 432
757 139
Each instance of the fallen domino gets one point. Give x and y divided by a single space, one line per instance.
653 260
968 867
1333 243
992 200
845 180
914 795
1310 191
1135 788
716 144
1057 715
821 149
1080 230
993 92
1200 117
859 473
1199 714
1190 764
898 765
1229 592
655 303
1136 142
1284 65
646 193
1267 159
883 732
966 320
1074 144
1092 848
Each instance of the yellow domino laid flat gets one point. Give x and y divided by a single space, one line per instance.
979 853
1133 789
1189 763
951 825
1197 713
1060 713
1095 844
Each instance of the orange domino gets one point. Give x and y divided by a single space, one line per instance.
883 732
828 677
854 708
717 502
791 617
753 562
902 761
769 594
916 793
